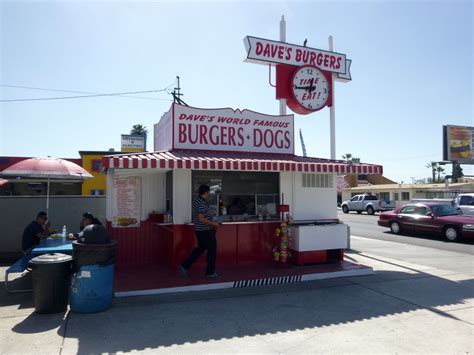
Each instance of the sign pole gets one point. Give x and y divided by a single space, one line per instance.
332 110
282 39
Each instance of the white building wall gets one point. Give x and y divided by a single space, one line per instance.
153 194
182 195
313 203
152 190
286 188
108 198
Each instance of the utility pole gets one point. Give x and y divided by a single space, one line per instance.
177 94
302 144
332 110
282 39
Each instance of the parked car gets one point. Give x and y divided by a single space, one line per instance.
437 218
465 202
367 203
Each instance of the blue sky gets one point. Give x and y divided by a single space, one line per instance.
411 68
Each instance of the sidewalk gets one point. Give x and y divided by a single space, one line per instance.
403 307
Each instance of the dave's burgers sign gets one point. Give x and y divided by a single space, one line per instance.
265 51
184 127
304 76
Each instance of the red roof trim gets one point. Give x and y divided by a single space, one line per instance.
235 161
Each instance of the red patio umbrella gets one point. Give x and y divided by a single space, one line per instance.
46 169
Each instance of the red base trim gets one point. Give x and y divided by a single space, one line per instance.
316 256
161 278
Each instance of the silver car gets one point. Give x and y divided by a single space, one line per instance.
465 203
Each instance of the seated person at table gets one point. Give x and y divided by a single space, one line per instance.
89 217
93 232
35 231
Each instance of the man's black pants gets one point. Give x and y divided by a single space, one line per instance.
206 241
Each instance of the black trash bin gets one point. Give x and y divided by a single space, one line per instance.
93 254
51 278
93 277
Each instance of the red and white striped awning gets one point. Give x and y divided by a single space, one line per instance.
235 161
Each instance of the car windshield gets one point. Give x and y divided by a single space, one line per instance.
445 210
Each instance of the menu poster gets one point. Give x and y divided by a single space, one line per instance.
126 202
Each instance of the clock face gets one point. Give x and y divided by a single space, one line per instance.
310 88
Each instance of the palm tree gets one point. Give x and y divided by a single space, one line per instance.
351 158
457 171
139 130
439 170
347 156
432 165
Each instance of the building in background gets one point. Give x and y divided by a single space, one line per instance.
403 193
349 181
91 161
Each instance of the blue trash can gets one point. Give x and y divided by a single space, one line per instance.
92 284
92 288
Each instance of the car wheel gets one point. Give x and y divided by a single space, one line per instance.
395 228
451 234
370 210
345 209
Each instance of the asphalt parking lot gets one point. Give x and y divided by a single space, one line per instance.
404 307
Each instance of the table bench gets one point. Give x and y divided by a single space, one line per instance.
18 267
48 245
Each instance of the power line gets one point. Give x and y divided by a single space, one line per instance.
89 94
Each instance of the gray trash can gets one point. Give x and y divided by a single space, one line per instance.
51 278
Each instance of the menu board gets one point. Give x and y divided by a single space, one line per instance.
126 202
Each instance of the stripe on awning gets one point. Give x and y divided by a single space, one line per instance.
235 161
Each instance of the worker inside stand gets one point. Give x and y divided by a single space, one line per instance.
92 231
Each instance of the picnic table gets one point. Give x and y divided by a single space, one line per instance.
46 246
53 245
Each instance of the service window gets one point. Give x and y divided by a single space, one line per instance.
240 195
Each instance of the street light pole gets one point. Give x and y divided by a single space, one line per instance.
400 193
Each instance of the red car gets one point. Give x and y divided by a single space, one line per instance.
438 218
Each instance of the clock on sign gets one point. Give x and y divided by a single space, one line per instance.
310 88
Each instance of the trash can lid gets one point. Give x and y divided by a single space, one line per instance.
51 258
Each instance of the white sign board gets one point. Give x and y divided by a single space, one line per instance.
126 202
133 143
229 130
266 51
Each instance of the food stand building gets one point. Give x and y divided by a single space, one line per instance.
248 160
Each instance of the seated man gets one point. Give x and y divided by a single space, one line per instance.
93 232
90 219
35 231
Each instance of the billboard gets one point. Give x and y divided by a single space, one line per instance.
133 143
458 142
